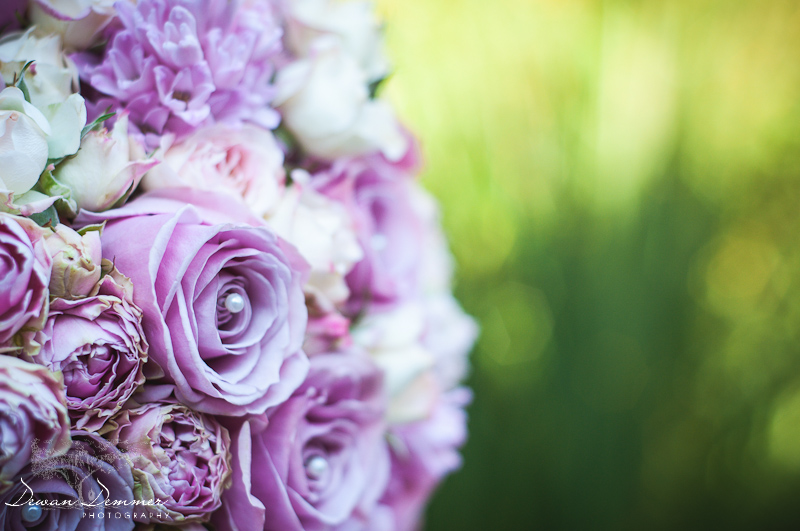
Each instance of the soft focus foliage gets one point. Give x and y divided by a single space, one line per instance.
620 182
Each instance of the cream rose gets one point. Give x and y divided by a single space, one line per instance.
325 103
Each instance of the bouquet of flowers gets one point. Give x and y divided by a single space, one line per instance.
225 300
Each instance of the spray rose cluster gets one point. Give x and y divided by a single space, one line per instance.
225 299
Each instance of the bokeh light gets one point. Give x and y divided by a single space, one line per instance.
620 180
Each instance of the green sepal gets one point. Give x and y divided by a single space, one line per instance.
48 218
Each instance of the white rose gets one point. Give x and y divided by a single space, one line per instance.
354 23
394 340
449 336
322 232
78 22
436 260
51 79
105 169
23 142
325 103
67 120
246 162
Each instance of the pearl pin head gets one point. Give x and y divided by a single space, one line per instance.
316 467
31 513
234 303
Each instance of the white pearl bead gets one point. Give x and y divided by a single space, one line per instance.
316 467
31 513
234 303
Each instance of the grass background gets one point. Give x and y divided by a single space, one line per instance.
620 181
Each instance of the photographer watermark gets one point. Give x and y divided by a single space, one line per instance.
33 507
82 469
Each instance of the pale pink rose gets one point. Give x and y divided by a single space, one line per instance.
243 161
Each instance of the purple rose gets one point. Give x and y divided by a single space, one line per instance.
99 346
423 453
32 411
24 275
223 305
179 457
176 65
379 195
69 492
321 457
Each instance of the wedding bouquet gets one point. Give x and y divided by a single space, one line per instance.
225 300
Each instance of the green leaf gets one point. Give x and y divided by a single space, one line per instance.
51 186
375 86
89 228
47 218
96 123
20 81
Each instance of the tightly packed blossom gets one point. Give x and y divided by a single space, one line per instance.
225 299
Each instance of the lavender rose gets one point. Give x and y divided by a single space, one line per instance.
380 197
223 306
69 492
423 453
179 457
32 410
99 346
24 275
321 457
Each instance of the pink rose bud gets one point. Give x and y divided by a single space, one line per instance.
76 262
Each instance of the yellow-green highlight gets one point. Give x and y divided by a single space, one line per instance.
620 181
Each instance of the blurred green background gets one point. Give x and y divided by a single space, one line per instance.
621 183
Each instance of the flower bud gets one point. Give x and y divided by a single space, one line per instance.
76 262
102 172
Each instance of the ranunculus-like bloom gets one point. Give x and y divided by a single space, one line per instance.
99 346
323 232
76 262
380 198
25 268
78 22
32 411
179 64
106 169
51 79
69 492
179 457
222 299
244 161
423 453
353 22
321 458
325 103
